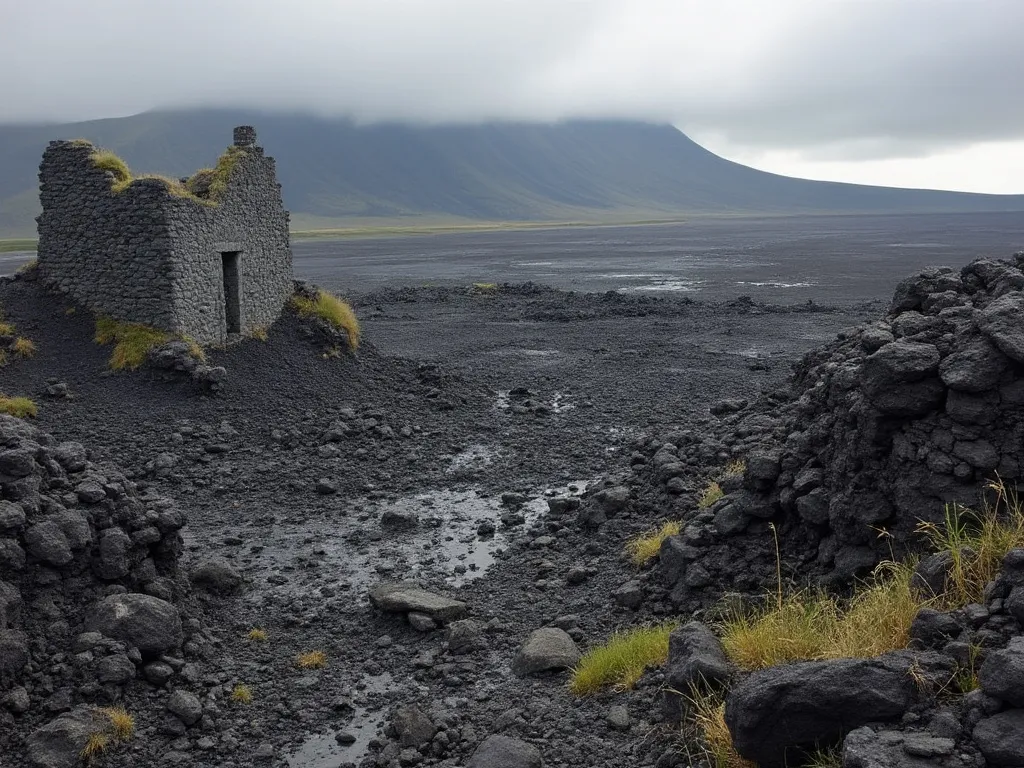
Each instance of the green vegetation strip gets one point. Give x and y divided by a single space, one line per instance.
15 245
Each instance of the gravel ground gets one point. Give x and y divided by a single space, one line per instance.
319 477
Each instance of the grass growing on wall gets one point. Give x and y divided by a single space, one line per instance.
134 341
332 310
206 186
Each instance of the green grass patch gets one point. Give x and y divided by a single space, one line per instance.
332 310
17 244
621 661
645 547
21 407
134 341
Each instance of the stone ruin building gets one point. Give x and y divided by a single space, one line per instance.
207 258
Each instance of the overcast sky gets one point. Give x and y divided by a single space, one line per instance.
902 92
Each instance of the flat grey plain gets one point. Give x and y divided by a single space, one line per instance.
830 259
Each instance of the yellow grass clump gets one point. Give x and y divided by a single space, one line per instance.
706 720
735 467
332 310
21 407
645 547
257 635
311 660
95 746
6 329
121 722
106 160
710 495
241 694
260 333
813 625
621 661
24 348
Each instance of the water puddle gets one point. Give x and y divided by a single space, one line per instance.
323 750
522 400
447 534
775 284
669 284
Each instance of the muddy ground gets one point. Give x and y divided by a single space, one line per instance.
319 476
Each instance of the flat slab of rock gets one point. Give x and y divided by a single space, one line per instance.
547 648
505 752
405 597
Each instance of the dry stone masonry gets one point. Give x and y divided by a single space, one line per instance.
196 267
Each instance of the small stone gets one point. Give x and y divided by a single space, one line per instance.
421 622
186 706
618 717
545 649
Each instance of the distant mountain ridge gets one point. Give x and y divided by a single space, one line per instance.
334 171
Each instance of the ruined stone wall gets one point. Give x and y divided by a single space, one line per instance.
144 255
108 252
249 219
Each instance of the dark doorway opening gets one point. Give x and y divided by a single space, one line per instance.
232 291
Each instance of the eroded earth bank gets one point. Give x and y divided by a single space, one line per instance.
477 469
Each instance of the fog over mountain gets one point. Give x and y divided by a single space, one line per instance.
336 172
906 93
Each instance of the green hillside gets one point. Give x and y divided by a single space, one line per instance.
335 172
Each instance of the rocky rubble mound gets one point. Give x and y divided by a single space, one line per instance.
88 579
954 699
880 430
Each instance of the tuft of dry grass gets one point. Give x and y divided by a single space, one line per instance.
825 758
24 348
645 547
813 625
6 329
20 407
706 720
260 333
241 694
257 635
621 661
485 287
735 467
121 722
712 493
3 357
29 266
332 310
977 541
311 660
95 746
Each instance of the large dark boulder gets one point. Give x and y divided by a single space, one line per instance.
1001 738
59 743
1002 322
975 367
1002 674
505 752
148 623
545 649
782 711
695 660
